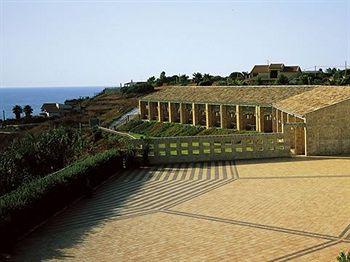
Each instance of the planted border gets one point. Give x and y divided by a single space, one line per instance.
34 202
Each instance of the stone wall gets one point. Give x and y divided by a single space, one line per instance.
328 130
208 148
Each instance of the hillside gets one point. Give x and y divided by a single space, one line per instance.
106 106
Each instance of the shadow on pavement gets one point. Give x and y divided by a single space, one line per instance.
72 225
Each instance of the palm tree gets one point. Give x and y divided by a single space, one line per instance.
28 110
17 110
197 78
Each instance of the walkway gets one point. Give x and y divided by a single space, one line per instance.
124 118
273 210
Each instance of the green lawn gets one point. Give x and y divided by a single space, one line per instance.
138 128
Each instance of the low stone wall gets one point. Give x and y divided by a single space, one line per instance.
208 148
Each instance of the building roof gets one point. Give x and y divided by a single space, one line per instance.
260 69
291 69
313 100
276 66
235 95
266 68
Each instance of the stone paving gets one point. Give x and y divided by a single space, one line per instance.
256 210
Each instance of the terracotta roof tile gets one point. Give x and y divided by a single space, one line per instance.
313 100
241 95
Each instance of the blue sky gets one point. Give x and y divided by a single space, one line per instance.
77 43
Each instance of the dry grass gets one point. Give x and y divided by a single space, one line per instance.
247 95
108 106
313 100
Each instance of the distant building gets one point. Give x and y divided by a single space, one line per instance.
272 71
55 109
132 83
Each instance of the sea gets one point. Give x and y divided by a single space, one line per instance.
36 96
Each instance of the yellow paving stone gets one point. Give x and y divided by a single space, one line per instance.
278 209
300 166
188 173
166 237
197 171
326 254
315 205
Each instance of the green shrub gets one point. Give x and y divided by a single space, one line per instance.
36 156
343 257
37 200
137 88
157 129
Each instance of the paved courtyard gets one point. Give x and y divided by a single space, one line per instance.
253 210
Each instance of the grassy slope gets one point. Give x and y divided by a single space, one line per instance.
156 129
109 106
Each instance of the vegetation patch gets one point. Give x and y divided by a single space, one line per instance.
157 129
33 157
35 201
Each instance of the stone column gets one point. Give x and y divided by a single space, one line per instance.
263 111
284 117
223 116
278 120
183 114
274 120
171 110
195 114
208 115
239 118
259 121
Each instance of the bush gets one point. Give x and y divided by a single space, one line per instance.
343 257
137 88
36 156
156 129
32 203
282 80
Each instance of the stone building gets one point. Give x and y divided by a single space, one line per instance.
315 119
272 71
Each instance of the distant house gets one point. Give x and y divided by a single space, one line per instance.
55 109
132 83
272 71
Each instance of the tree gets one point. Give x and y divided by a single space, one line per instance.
236 75
259 80
17 110
183 80
282 80
162 77
207 80
151 80
28 110
197 78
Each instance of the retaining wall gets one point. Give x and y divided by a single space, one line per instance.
208 148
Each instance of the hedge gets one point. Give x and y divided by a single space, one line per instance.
32 203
